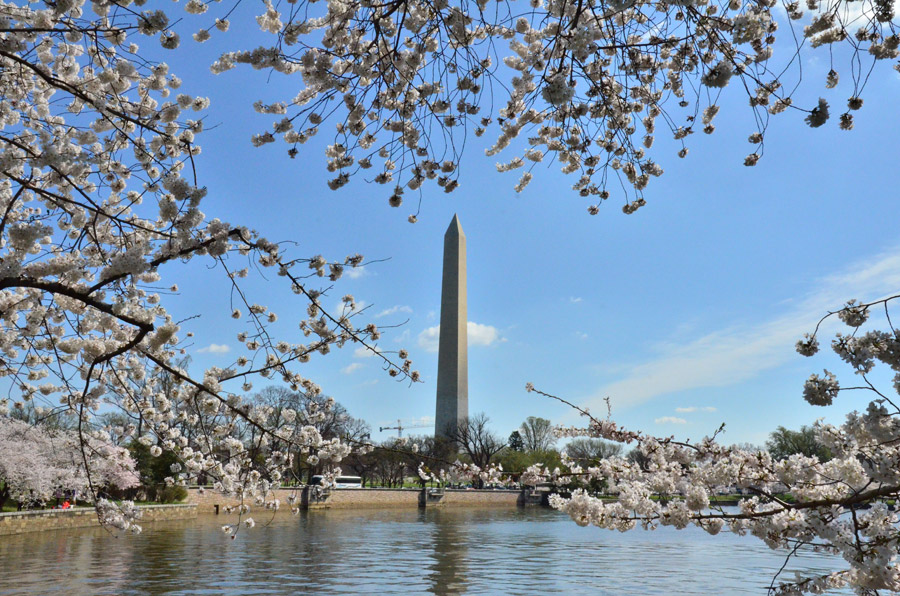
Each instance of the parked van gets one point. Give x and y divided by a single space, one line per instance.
339 481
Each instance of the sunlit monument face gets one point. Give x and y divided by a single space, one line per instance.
453 366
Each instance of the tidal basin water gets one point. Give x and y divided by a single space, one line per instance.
452 551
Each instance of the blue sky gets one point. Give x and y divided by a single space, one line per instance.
685 314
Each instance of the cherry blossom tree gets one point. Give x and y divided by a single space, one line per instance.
587 84
36 462
100 194
101 190
843 504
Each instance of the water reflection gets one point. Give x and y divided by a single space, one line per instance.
448 568
452 551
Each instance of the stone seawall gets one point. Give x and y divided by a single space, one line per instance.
481 498
208 500
338 498
363 498
366 498
20 522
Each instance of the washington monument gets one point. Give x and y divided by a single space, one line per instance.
453 363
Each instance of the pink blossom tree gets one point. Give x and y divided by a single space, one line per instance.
38 462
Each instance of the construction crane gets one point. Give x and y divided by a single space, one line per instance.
400 426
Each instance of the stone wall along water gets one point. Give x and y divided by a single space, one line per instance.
338 498
366 498
481 498
19 522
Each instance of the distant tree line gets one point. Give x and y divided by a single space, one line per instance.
392 463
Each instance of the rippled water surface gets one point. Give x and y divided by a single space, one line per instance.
452 551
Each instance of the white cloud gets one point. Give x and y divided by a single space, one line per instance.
355 272
482 335
581 335
394 310
362 352
429 339
670 420
403 337
729 356
575 299
695 409
350 368
478 335
215 349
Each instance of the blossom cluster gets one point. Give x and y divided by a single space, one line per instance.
583 84
840 506
40 462
99 193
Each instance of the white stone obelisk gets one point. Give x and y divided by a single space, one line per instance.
453 360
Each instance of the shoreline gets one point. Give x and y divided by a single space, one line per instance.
210 502
22 522
307 498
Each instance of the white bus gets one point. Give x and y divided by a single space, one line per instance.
339 481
